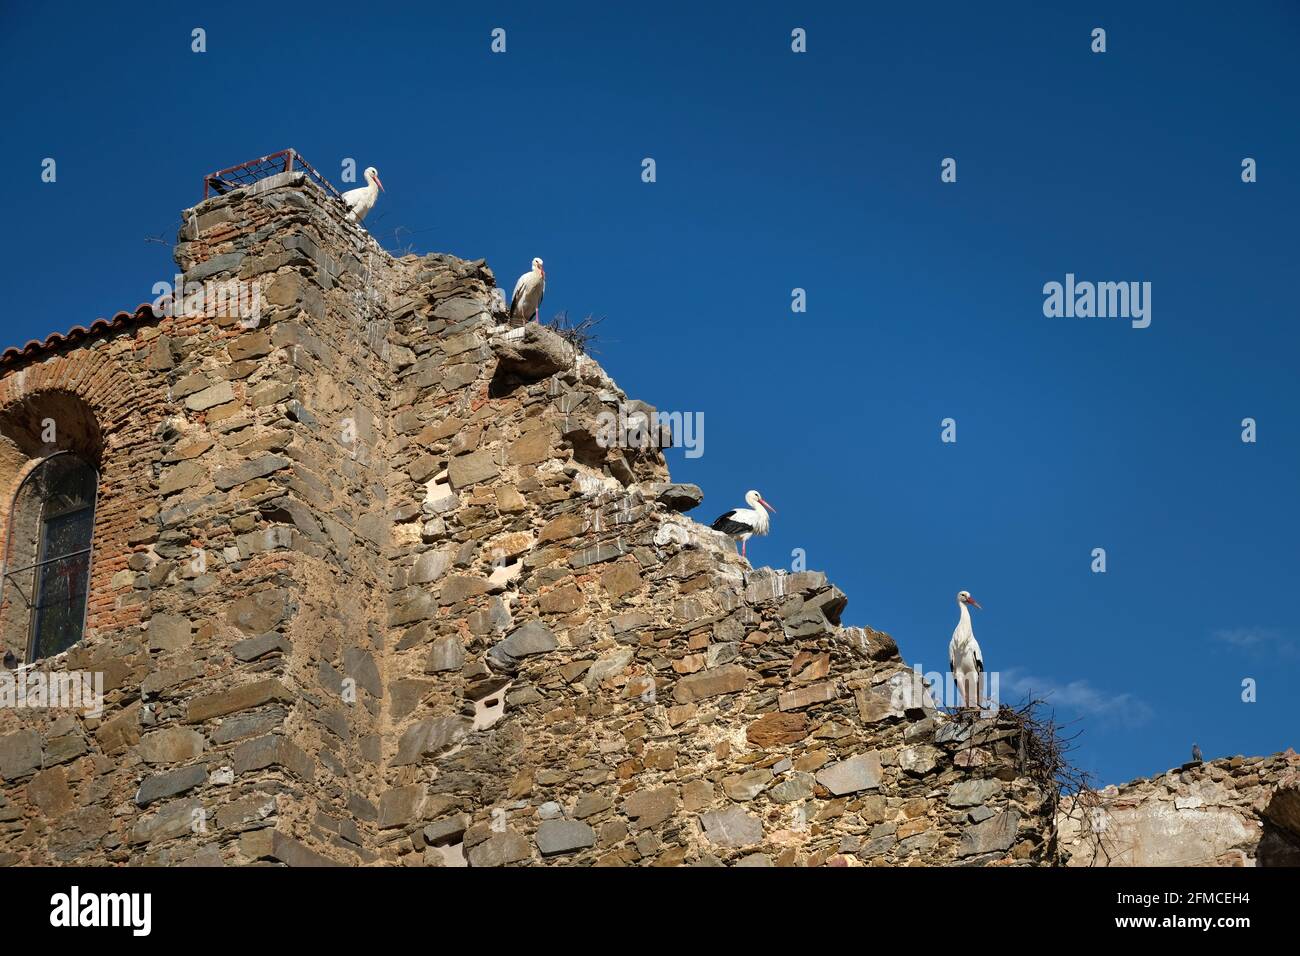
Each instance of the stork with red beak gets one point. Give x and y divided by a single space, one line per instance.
361 201
530 288
964 657
741 523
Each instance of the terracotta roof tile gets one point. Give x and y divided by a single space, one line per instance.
12 356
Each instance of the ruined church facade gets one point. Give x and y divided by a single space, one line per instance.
361 584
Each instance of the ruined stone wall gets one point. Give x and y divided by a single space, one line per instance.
369 587
580 675
312 462
62 777
232 517
1237 811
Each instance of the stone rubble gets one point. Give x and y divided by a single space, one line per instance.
1235 811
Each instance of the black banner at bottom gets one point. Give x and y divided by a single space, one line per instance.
338 906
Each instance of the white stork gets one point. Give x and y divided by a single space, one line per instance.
741 523
527 298
964 657
360 201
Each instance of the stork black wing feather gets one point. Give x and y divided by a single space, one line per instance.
727 526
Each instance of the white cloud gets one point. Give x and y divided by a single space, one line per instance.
1076 696
1262 639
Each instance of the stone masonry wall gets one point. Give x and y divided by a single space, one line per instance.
1237 811
229 522
581 675
369 587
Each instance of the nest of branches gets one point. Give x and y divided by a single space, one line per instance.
1045 748
1045 756
577 334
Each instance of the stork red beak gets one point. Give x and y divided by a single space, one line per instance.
973 603
377 182
766 505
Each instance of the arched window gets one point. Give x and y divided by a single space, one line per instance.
47 577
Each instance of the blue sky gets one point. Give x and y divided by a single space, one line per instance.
819 171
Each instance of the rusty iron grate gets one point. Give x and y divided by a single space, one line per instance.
245 174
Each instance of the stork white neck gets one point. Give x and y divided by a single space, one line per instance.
754 500
964 630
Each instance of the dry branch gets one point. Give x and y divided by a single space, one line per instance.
578 334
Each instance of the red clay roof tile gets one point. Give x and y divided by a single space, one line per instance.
143 313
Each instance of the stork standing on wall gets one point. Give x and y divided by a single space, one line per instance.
1196 753
530 288
361 201
964 657
741 523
